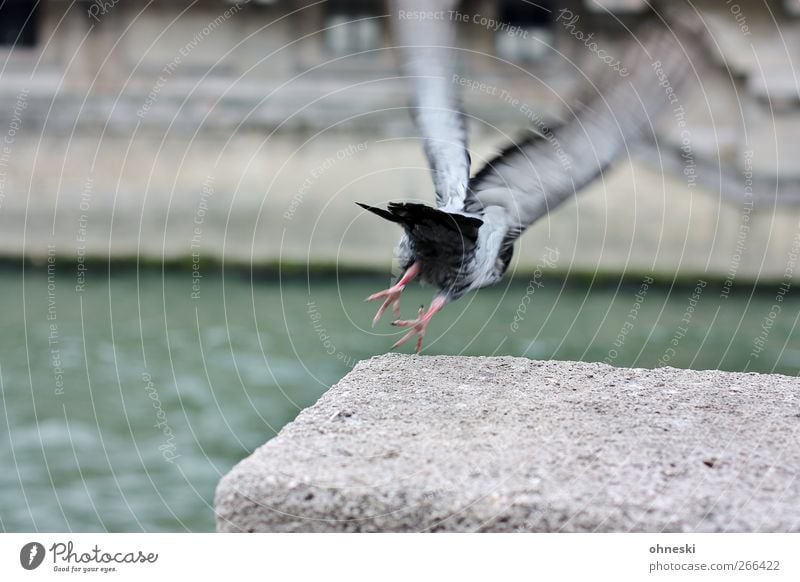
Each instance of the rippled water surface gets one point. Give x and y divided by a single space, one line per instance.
125 401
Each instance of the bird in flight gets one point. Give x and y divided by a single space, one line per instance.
466 242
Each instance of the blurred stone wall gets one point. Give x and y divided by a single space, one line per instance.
210 130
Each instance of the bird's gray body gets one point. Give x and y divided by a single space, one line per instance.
528 179
445 245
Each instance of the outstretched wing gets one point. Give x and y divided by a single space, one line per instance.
530 178
426 38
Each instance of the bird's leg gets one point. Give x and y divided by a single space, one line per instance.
392 294
419 325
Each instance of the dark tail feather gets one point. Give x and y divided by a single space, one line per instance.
426 220
380 212
410 215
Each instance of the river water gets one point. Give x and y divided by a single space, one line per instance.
127 396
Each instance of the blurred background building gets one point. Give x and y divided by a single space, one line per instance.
245 131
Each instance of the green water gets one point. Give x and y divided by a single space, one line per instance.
125 401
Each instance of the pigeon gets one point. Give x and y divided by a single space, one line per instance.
467 240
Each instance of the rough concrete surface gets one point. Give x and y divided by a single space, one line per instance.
409 443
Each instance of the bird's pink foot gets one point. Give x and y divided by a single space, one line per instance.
391 296
419 325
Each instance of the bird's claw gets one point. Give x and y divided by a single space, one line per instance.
392 297
417 326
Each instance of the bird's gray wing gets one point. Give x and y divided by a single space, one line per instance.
425 35
532 177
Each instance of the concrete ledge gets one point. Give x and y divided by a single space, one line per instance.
408 443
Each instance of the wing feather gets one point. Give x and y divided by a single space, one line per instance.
426 39
534 176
